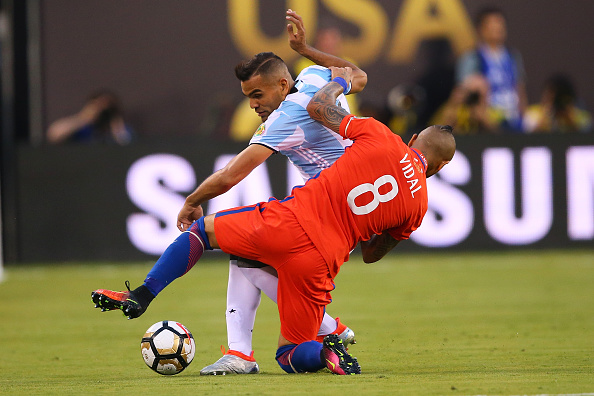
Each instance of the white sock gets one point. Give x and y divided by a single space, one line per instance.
328 325
243 299
264 278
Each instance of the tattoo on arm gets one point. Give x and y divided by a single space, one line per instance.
323 108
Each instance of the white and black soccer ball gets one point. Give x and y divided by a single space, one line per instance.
168 347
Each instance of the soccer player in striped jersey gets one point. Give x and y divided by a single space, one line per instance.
287 128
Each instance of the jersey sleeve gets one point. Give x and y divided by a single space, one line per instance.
316 76
353 127
280 131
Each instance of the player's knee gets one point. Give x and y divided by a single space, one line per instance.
197 228
302 358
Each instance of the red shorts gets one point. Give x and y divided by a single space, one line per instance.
270 233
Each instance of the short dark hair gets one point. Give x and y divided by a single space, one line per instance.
261 63
485 12
446 143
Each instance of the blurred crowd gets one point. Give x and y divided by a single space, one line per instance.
482 91
485 91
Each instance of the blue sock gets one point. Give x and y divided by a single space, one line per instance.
178 258
305 357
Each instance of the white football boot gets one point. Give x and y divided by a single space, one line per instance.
231 364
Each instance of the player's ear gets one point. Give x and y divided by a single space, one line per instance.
413 139
284 85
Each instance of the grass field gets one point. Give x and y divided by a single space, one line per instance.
432 324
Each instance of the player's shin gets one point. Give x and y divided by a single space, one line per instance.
178 258
243 299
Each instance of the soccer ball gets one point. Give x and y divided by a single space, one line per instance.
168 347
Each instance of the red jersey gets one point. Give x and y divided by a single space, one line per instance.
377 185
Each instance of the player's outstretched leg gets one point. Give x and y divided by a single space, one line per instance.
177 259
337 358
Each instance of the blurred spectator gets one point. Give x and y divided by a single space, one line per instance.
468 110
411 106
502 67
437 79
558 110
404 102
100 120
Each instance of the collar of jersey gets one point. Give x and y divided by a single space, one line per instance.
421 157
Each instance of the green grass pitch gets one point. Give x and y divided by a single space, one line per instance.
426 324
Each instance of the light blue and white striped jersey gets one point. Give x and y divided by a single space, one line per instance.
309 145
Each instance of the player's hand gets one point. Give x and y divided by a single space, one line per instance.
187 215
297 34
344 72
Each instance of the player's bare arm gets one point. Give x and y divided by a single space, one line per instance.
377 247
298 44
322 107
220 182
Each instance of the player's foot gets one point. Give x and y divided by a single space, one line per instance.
345 334
337 358
126 301
232 362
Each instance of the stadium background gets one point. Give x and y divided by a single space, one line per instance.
172 66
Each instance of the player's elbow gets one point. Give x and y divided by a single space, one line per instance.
227 179
311 108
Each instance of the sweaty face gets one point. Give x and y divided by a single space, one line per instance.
265 94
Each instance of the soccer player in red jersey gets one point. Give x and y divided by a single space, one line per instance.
375 193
